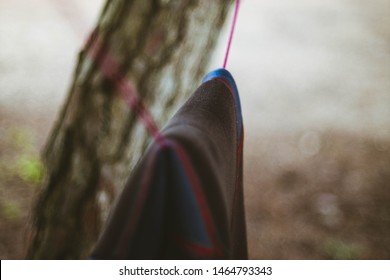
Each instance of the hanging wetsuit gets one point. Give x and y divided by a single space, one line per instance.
184 200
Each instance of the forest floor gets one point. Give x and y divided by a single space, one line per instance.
326 197
315 90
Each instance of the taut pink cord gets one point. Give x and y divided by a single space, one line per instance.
111 70
231 33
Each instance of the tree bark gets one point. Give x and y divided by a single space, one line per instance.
162 47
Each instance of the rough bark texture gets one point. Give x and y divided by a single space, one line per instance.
162 47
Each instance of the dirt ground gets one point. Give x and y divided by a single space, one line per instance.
315 90
319 195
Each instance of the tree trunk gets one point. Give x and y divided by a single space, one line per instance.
162 47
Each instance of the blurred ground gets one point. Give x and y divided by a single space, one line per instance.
315 90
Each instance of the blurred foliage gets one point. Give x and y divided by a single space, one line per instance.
30 169
340 250
11 211
22 159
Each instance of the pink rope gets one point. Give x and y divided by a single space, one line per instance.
231 33
110 69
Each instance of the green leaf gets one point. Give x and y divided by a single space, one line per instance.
30 169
